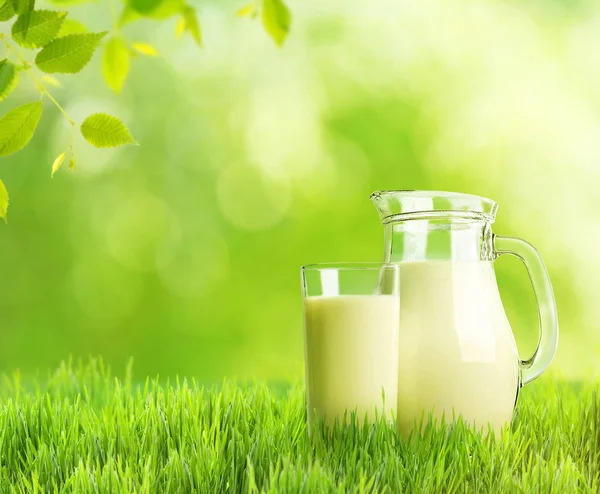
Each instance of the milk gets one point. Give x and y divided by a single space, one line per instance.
351 356
456 351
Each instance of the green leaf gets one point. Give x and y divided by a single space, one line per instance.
3 201
18 126
6 10
167 9
72 26
145 6
135 9
69 54
105 131
71 2
37 28
276 19
23 6
115 64
57 162
180 27
191 24
8 78
145 49
247 11
128 15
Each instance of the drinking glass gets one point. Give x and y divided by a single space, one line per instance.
351 325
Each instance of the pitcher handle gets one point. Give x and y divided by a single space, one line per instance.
542 287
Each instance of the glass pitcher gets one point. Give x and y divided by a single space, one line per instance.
457 353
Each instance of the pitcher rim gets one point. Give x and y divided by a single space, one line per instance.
486 212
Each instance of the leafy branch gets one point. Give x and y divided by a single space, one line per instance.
64 46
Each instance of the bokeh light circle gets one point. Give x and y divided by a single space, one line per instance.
250 200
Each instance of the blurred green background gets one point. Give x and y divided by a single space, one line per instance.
184 252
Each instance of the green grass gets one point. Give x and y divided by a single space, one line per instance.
84 431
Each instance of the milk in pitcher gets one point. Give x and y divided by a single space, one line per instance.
456 351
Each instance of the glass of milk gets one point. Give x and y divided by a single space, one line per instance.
351 318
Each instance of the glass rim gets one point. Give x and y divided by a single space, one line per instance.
349 266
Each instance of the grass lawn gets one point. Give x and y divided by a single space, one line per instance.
84 431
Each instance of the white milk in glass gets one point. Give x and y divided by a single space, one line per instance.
456 350
351 356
